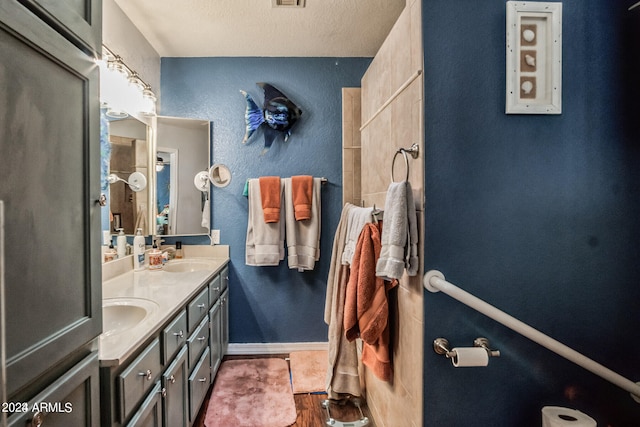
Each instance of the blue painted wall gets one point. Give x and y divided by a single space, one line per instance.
268 304
539 215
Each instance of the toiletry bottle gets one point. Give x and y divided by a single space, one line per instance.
110 254
138 251
179 253
155 258
121 243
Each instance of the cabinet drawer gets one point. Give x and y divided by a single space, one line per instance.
174 336
198 341
215 287
138 378
72 400
199 382
197 308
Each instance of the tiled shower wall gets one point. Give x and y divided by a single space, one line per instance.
392 118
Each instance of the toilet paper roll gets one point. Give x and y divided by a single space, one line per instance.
470 356
557 416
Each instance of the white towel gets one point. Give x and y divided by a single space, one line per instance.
265 241
303 237
206 212
356 220
399 234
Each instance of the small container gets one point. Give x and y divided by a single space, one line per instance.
155 258
179 253
138 251
121 243
110 254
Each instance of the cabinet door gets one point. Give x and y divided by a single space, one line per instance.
72 400
215 339
78 20
174 382
50 178
150 413
224 321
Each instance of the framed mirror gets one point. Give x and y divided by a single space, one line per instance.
181 152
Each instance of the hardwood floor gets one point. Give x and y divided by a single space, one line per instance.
309 407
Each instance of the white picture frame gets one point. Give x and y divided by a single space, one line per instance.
534 58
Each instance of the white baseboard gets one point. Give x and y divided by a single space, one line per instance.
274 348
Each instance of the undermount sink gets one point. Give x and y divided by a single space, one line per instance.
122 314
188 265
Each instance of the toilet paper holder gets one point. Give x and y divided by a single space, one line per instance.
441 346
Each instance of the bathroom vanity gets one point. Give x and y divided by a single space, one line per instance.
165 333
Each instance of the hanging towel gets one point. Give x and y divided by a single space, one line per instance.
400 233
358 217
302 195
366 311
265 241
206 212
302 237
270 195
343 377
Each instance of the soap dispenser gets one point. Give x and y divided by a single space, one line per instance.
121 243
138 251
179 253
155 258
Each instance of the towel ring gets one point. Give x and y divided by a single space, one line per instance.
414 151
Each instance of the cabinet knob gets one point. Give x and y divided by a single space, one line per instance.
37 419
201 338
163 392
179 334
217 289
201 306
147 374
202 380
172 379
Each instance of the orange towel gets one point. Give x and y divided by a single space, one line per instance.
270 194
302 191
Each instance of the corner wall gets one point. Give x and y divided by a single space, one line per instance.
268 304
536 214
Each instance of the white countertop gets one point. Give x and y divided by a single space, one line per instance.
170 291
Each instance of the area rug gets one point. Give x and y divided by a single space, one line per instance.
308 371
251 393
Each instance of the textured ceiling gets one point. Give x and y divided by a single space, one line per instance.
195 28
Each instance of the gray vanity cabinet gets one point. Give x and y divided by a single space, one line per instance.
49 182
175 367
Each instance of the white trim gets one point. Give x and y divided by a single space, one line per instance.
274 347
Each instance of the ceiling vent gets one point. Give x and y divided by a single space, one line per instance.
287 3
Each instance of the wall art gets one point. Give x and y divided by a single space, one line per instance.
534 58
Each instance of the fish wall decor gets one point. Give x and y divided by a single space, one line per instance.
279 114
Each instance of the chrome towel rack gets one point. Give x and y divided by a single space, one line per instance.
414 151
434 281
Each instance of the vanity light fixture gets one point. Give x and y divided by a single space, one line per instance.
136 181
122 91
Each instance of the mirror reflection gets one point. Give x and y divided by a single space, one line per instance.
182 151
128 209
